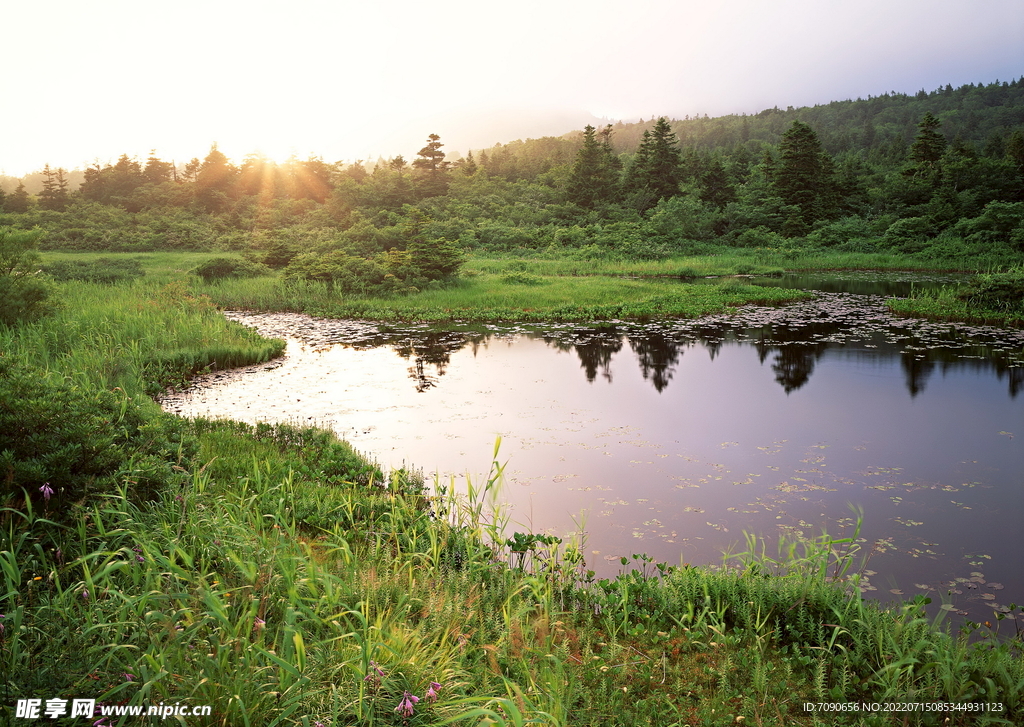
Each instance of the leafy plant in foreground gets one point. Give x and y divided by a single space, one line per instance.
25 294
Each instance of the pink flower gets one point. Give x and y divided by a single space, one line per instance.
405 707
431 694
46 490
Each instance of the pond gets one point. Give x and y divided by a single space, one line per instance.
674 439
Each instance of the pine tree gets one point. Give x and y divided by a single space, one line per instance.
18 200
804 176
655 172
157 171
432 169
593 177
468 165
926 151
215 181
55 189
1015 149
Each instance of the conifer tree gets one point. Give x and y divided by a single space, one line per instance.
926 151
55 189
656 169
18 200
432 177
468 165
157 171
593 178
804 176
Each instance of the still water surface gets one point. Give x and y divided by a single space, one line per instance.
674 439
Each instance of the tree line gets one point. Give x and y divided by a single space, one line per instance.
851 176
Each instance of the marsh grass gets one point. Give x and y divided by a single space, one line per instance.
139 336
487 297
995 299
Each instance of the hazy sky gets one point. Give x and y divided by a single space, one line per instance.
349 80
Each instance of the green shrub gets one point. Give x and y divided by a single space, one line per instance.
62 443
101 270
909 235
761 236
521 278
998 291
219 268
25 294
345 273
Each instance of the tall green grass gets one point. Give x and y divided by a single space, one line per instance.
139 336
490 297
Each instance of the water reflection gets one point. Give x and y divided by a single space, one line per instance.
790 340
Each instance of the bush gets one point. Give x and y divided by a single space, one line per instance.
101 270
761 236
343 272
521 278
997 291
229 267
909 235
78 442
850 234
25 294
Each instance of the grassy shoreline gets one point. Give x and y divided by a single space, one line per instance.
558 290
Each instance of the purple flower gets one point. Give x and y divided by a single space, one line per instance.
405 707
431 694
129 677
85 595
258 623
46 490
375 678
1 625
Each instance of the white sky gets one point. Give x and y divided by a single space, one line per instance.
348 80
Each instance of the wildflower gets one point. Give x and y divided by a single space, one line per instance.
85 595
1 625
129 677
375 675
46 490
431 694
258 623
405 707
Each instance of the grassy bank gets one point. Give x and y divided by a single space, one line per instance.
995 299
508 297
547 289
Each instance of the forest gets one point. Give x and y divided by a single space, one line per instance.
936 176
